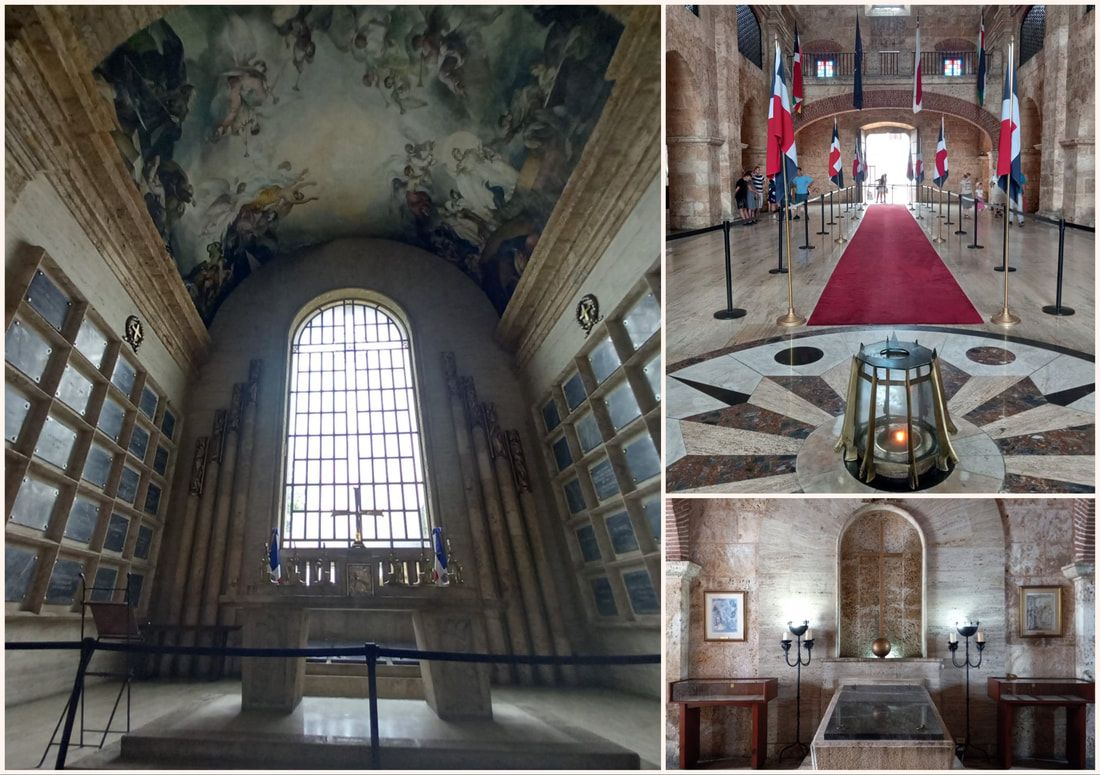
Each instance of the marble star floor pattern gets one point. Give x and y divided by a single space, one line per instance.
752 407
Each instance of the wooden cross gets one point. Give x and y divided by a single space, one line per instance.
359 514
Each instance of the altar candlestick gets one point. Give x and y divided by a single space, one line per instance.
358 517
786 634
952 638
981 637
809 635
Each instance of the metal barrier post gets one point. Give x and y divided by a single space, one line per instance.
962 223
806 225
950 222
917 191
975 244
831 198
1058 309
729 313
780 269
823 229
372 704
87 648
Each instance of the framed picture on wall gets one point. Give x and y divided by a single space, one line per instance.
1040 612
724 615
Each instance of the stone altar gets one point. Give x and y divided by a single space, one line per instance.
882 727
444 619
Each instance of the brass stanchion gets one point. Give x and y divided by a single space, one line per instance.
792 318
840 238
1005 316
939 237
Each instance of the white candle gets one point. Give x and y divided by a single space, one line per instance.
809 635
952 638
981 637
786 634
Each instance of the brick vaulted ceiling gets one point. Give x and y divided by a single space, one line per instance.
252 131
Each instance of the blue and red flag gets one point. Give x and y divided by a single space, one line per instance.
782 157
941 158
857 89
909 165
859 169
796 74
981 63
836 166
1010 175
918 163
439 569
273 557
918 90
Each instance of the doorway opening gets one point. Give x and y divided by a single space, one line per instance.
888 154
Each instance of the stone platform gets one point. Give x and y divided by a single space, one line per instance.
334 733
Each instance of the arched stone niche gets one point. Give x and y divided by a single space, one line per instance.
880 583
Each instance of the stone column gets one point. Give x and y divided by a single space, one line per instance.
513 609
479 530
174 593
517 533
549 585
192 599
678 577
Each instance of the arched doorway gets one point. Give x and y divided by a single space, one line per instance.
887 145
691 197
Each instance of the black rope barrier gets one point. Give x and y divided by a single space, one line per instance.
1058 308
961 230
783 215
831 197
730 312
806 226
823 229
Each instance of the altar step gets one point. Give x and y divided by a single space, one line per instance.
349 679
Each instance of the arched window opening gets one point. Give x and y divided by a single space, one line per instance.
353 422
748 35
881 586
1032 30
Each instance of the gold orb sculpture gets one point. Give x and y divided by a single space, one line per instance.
880 648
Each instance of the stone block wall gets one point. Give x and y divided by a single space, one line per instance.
784 555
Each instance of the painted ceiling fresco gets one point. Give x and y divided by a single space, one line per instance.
253 131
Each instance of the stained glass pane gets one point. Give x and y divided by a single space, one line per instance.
588 432
16 409
604 360
574 392
27 350
55 443
115 539
562 456
134 589
110 418
128 484
97 468
748 35
103 587
639 587
139 442
19 565
653 516
124 376
621 533
34 504
603 479
82 519
160 460
152 499
64 581
586 538
91 342
642 458
573 496
144 542
168 423
51 302
550 417
622 407
74 389
148 402
605 598
643 320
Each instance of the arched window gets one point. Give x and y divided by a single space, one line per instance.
1032 30
748 35
353 422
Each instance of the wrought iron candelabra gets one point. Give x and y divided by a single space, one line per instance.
967 631
798 631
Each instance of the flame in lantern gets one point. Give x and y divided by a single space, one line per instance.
900 436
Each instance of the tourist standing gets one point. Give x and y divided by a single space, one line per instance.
802 185
741 196
758 191
966 189
773 197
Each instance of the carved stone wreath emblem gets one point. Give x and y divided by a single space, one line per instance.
133 332
588 312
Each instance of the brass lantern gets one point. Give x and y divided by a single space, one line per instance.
896 424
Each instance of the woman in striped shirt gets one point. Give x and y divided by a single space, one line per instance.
758 188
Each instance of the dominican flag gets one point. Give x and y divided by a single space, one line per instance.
918 92
273 558
1008 149
981 63
859 169
796 74
439 572
918 163
909 166
857 91
941 158
836 166
782 154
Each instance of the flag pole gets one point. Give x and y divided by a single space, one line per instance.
1005 316
792 318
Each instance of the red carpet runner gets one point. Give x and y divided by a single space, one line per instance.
889 274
